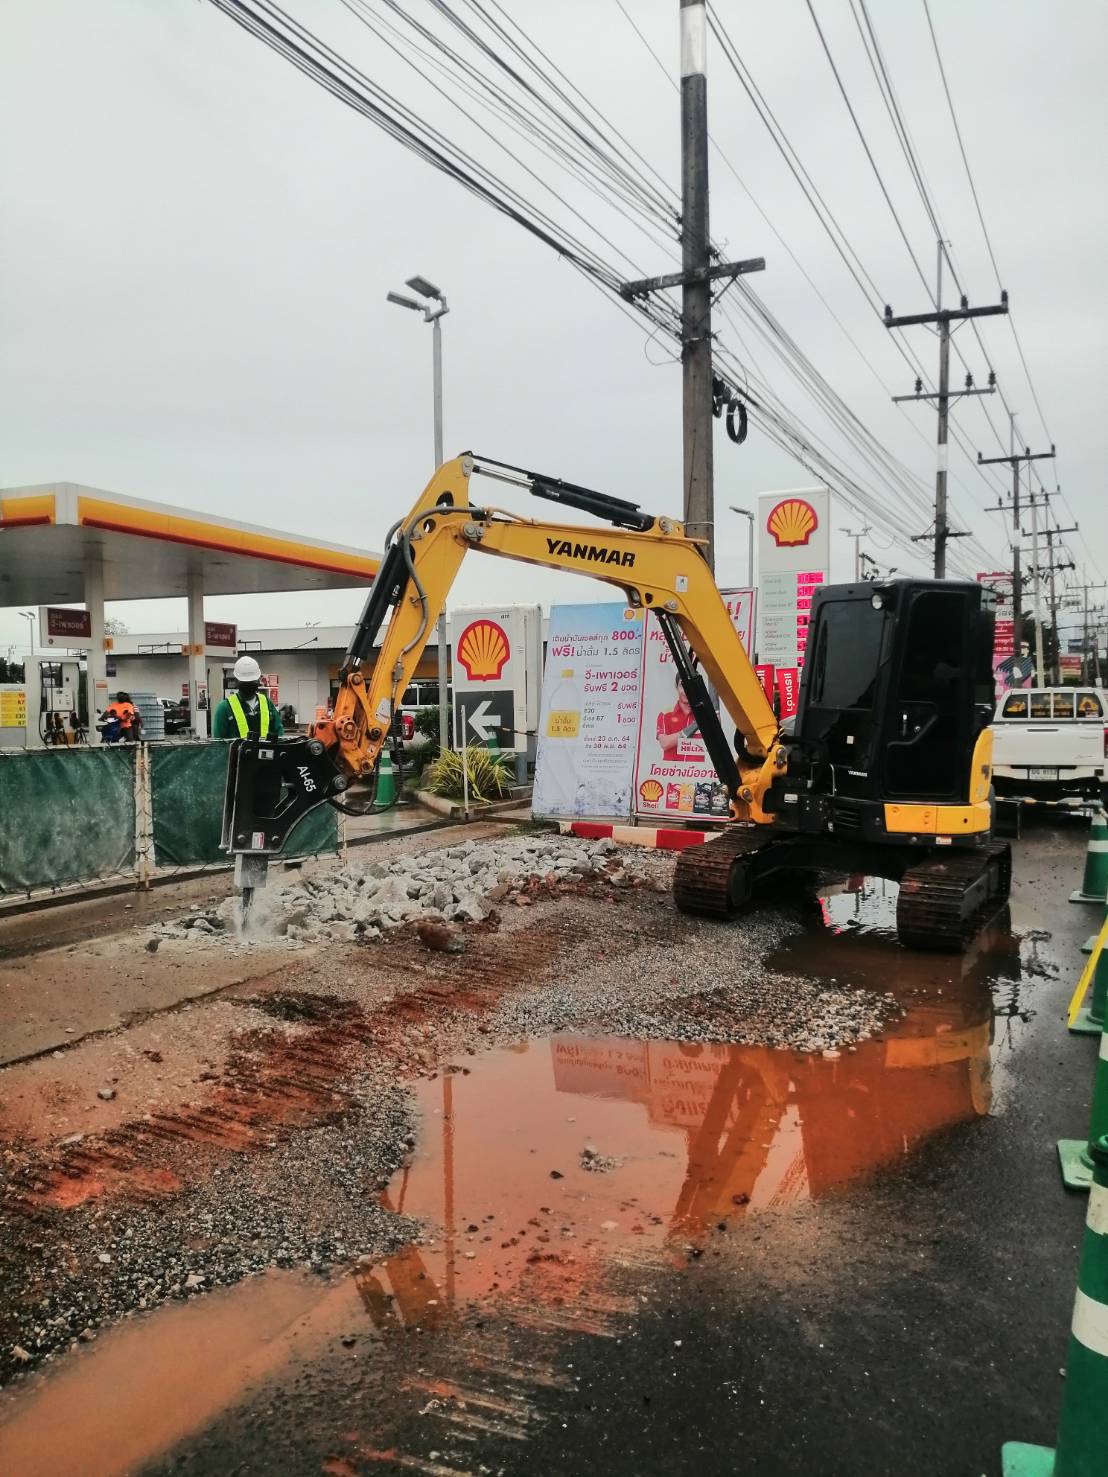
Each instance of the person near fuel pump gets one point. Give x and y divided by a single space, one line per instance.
120 721
246 711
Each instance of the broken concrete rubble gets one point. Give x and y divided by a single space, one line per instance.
457 884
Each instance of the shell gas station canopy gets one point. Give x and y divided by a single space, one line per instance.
62 544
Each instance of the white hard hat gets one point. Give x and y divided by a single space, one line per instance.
247 670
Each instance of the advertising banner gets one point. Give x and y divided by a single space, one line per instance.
788 690
673 774
1011 668
794 552
767 677
589 718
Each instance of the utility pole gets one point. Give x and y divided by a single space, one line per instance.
1014 460
696 295
857 536
695 281
1090 670
1053 566
944 317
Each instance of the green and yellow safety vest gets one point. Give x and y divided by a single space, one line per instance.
235 704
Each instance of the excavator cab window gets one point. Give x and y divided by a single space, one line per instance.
843 680
932 707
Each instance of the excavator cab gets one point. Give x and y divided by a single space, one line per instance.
896 691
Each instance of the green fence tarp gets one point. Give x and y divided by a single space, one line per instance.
66 815
186 783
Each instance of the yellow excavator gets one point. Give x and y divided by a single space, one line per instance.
885 769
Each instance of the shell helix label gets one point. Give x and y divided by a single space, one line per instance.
563 723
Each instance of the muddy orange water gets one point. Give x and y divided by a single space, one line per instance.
688 1136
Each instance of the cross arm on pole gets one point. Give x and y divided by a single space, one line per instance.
645 285
1026 456
951 395
944 315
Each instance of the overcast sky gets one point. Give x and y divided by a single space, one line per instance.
197 243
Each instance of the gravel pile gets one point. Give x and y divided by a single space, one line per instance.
709 983
112 1256
455 884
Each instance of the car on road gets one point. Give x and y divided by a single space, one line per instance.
1050 743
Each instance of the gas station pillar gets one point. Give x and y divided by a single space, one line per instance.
96 688
198 661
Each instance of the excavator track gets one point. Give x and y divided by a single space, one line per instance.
944 899
703 878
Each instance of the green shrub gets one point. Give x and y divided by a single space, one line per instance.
427 724
488 777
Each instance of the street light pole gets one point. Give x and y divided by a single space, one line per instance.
746 513
434 310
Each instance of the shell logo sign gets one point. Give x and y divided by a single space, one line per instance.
650 792
792 522
483 650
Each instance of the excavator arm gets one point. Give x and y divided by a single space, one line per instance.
271 785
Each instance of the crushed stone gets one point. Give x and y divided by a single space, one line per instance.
454 884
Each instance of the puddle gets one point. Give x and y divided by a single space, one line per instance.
542 1166
116 1404
694 1134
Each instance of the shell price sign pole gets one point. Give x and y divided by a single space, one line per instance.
794 559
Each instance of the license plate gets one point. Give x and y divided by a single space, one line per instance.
1042 774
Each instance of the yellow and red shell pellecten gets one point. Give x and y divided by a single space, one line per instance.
483 651
650 792
792 522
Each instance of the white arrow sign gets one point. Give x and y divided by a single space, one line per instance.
482 721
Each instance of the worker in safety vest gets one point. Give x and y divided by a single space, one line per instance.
246 712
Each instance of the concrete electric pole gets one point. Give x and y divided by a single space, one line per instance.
1052 567
943 318
695 281
696 291
1014 460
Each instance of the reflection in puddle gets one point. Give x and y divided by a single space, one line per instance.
687 1135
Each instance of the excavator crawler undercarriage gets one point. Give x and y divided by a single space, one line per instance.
945 896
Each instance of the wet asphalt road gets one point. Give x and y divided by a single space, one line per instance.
907 1323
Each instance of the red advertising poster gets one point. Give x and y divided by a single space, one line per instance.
673 774
788 689
766 676
1011 668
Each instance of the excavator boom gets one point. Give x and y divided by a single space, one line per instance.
272 785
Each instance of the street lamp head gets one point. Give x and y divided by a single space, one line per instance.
744 511
423 287
404 302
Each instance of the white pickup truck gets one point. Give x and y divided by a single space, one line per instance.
1050 742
